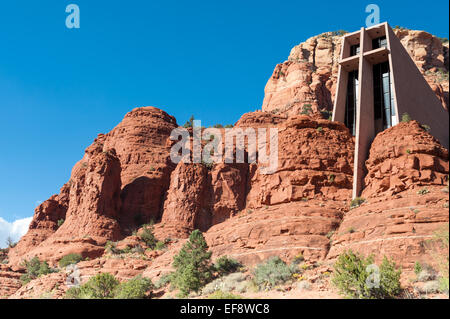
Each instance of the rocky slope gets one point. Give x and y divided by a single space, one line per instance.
126 179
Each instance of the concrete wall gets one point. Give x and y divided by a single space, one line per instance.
365 125
413 95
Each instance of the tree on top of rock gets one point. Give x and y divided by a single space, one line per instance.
192 264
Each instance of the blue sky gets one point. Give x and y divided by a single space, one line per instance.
59 88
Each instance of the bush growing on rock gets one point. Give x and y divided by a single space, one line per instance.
101 286
35 268
406 118
111 248
69 260
356 277
136 288
148 237
106 286
192 265
272 273
356 202
225 265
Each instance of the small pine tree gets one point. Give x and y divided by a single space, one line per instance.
101 286
192 264
189 123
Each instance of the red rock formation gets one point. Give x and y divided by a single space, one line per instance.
91 219
315 158
126 179
405 204
284 230
135 155
45 221
9 280
142 144
187 205
402 157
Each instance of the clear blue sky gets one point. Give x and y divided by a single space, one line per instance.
59 88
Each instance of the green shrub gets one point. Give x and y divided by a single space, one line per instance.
219 294
106 286
356 202
189 123
417 268
60 222
352 277
73 293
225 265
406 118
423 191
148 237
272 273
136 288
35 268
69 260
160 245
306 109
192 265
163 281
331 178
101 286
111 248
229 126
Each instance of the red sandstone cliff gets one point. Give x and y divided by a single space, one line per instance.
126 179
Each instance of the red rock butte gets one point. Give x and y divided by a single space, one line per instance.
127 179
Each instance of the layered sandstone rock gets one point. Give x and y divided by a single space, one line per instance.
91 219
143 145
402 157
284 230
187 205
306 82
315 159
45 221
9 280
398 227
117 186
199 197
406 198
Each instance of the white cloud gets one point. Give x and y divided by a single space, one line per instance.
15 230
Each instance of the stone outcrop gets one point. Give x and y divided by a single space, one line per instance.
187 204
315 159
285 230
143 145
91 219
404 157
406 198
